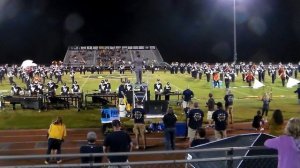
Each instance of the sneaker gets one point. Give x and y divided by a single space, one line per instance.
46 162
59 161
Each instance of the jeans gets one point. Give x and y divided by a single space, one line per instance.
170 138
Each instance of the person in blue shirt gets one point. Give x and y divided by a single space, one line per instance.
220 118
194 120
187 96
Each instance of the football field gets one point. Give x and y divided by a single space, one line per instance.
247 100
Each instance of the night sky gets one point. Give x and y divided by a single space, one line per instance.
183 30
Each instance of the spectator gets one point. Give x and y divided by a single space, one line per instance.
117 141
199 137
194 121
56 135
138 115
258 122
170 120
276 124
220 118
288 145
229 104
91 147
211 108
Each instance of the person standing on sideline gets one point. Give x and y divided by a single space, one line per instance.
91 148
187 96
229 104
288 145
211 108
56 135
194 121
298 92
139 128
117 141
220 118
169 121
138 64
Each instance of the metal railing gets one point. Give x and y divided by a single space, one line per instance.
184 162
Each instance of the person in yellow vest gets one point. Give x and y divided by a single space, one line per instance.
56 135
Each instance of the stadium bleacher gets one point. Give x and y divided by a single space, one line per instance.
110 55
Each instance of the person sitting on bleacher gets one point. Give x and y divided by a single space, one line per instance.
75 88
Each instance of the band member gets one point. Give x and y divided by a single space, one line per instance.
283 77
273 74
102 87
110 68
64 90
208 73
108 86
216 79
59 76
15 90
249 78
158 88
128 86
75 87
40 88
167 91
43 76
122 69
10 76
51 88
72 75
227 79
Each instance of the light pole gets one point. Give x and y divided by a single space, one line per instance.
234 33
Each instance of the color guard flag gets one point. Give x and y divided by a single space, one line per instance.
257 84
292 82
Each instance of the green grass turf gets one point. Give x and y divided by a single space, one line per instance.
247 100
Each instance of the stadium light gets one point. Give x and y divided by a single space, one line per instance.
234 33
